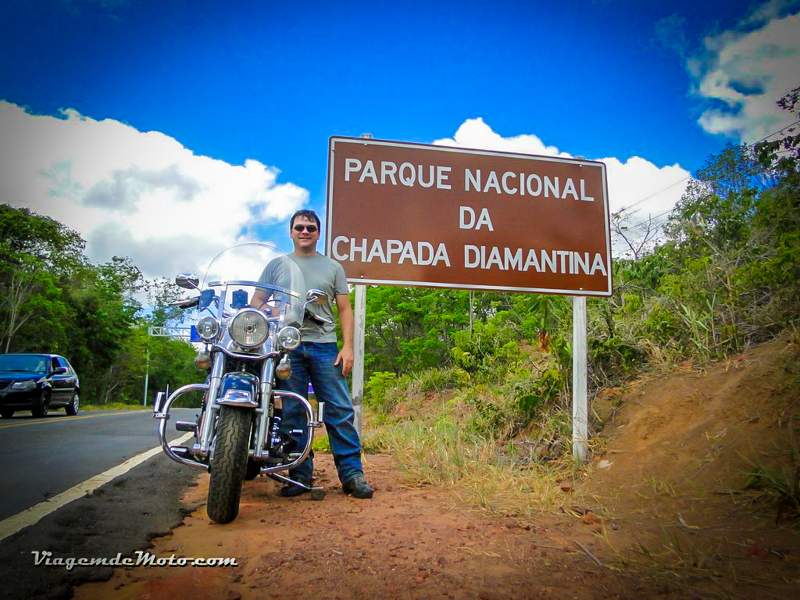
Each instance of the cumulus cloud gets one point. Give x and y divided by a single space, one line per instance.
134 193
745 70
636 186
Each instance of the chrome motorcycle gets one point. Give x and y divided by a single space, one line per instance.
247 327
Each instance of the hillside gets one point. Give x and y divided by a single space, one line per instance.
698 472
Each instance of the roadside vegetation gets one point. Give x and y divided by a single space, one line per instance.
54 300
483 405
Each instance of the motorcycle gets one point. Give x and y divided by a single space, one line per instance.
247 325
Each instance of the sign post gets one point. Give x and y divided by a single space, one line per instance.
580 406
420 215
360 317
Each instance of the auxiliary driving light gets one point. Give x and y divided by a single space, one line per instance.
208 328
289 337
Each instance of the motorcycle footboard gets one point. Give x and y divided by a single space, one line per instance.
317 492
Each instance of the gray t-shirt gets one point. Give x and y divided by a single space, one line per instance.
303 273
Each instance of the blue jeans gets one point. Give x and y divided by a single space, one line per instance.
314 360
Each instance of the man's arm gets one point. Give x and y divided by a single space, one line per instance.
260 297
345 355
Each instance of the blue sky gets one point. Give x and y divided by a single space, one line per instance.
270 82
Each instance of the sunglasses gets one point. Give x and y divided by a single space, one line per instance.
308 228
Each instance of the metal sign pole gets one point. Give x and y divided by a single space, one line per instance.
360 312
580 408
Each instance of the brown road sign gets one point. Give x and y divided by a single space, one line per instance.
413 214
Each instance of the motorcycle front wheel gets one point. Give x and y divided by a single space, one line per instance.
228 464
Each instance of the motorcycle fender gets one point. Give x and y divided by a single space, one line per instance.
239 389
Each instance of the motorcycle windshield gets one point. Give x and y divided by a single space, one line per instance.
254 275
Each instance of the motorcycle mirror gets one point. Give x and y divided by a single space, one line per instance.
187 281
316 296
187 302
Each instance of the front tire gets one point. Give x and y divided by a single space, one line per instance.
72 407
6 413
228 464
41 404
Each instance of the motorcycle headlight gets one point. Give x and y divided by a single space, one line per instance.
23 386
208 328
289 337
249 328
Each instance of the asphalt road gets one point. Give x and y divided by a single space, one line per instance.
43 457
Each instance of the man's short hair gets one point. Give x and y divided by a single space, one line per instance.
308 214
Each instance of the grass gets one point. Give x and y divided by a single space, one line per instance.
114 406
447 446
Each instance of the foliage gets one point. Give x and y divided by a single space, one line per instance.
727 276
52 299
35 253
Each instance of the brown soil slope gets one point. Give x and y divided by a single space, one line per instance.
693 468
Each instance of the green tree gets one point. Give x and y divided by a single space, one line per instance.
35 253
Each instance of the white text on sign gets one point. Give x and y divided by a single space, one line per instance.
508 183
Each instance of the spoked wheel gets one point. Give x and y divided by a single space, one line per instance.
41 404
72 407
228 464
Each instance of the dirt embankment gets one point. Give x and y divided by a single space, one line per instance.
699 474
665 511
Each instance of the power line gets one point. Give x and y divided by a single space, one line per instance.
651 218
672 185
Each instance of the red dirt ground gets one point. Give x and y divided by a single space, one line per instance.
665 514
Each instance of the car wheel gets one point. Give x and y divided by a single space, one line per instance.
7 413
72 407
41 405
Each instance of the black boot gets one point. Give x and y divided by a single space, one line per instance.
290 490
357 487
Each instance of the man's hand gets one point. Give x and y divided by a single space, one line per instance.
345 357
346 318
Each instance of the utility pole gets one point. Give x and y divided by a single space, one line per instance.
146 370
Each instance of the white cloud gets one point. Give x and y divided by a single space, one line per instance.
747 72
769 10
134 193
654 190
474 133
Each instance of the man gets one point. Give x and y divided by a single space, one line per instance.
318 359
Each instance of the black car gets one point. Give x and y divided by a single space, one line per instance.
37 382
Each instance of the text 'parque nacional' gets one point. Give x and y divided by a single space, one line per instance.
410 214
438 177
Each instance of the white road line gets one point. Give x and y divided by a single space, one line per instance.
32 515
67 419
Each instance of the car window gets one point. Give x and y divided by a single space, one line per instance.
27 363
53 363
62 362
